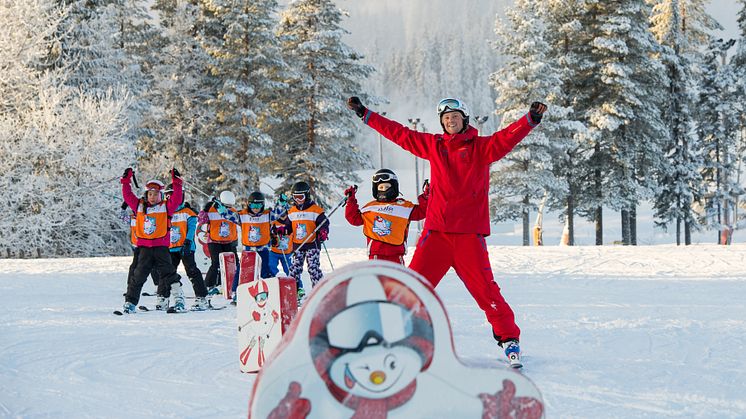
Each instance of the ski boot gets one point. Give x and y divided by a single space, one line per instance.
301 296
200 304
234 299
513 352
161 303
178 294
213 291
129 308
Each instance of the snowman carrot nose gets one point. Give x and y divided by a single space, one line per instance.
377 377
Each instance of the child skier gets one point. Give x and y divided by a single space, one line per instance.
306 216
152 228
223 236
183 228
255 237
385 220
281 233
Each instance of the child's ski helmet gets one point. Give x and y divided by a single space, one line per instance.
228 198
301 189
381 177
256 201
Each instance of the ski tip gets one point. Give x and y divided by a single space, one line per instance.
143 308
118 313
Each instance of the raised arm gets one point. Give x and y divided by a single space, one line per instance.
352 210
500 143
418 143
129 197
178 195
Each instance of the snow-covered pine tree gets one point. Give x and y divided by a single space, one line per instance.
615 87
315 142
679 180
716 105
60 147
565 30
248 63
105 48
738 63
181 90
525 175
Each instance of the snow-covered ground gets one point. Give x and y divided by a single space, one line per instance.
650 331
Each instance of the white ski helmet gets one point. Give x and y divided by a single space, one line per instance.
227 198
450 105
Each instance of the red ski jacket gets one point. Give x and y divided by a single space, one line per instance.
459 169
379 248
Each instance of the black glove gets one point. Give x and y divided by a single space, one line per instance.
357 106
274 241
537 111
175 173
124 205
128 173
186 248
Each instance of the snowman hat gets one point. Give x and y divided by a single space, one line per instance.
369 310
369 318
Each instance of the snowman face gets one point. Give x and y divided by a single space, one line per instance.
376 372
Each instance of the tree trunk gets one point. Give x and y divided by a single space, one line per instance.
526 226
599 218
687 233
633 225
678 231
625 228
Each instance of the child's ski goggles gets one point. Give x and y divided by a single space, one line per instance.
384 177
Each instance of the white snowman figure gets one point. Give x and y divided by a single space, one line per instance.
225 229
175 234
284 243
373 341
381 226
149 225
301 232
254 234
374 363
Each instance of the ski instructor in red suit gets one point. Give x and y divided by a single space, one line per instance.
457 219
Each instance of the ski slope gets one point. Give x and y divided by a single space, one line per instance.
650 331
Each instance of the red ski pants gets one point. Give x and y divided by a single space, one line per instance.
436 252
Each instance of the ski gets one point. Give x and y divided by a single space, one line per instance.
121 313
209 307
148 294
173 310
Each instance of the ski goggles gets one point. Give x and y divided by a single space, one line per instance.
154 185
369 324
450 104
384 177
261 297
299 196
256 205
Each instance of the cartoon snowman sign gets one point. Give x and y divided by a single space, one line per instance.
263 317
374 341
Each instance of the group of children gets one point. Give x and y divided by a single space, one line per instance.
452 238
289 234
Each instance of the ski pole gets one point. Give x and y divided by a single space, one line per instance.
193 186
327 256
326 220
